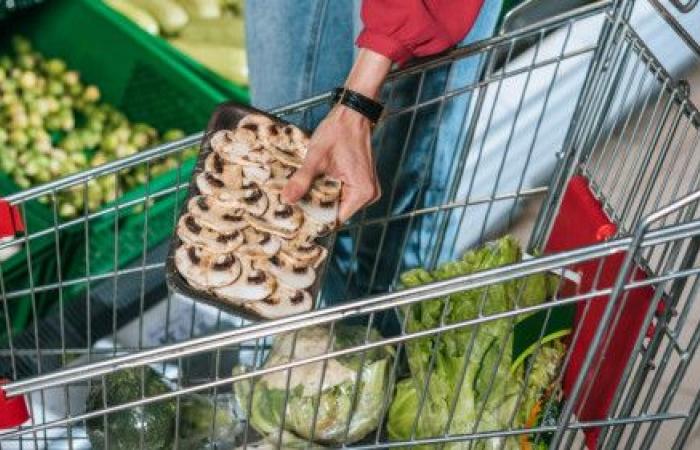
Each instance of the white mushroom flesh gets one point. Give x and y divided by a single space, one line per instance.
203 268
190 231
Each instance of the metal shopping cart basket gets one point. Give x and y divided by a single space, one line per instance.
571 135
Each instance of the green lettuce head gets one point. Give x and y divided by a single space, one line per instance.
346 409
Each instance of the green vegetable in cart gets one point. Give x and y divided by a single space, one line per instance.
137 15
472 385
207 423
124 430
170 15
228 61
348 410
202 9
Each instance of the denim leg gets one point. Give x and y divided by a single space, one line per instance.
297 49
416 161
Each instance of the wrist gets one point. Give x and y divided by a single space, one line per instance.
348 115
368 73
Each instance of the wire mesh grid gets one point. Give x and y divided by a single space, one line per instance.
575 102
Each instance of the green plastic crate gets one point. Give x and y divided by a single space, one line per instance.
149 85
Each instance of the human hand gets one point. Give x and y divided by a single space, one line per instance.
340 148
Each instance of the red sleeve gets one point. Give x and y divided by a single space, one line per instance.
402 29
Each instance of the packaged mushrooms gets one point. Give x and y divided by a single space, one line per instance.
238 244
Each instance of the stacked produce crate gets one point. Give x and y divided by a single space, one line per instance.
66 107
207 35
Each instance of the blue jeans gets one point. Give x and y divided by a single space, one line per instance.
299 49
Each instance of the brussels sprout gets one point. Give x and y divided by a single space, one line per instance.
91 94
21 45
173 135
54 67
28 80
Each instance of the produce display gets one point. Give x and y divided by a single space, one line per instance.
238 240
211 32
347 410
485 395
55 125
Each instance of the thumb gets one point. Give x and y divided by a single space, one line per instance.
299 183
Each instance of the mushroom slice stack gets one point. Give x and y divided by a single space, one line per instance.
206 269
280 219
193 233
286 143
234 144
253 284
214 214
250 198
283 302
279 174
291 272
259 243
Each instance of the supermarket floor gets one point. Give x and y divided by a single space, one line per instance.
689 388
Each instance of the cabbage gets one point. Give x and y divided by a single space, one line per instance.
347 411
487 397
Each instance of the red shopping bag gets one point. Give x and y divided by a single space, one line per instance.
10 220
581 221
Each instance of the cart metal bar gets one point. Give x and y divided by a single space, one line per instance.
673 22
376 303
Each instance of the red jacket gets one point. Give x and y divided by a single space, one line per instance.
403 29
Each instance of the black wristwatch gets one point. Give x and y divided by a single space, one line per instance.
369 108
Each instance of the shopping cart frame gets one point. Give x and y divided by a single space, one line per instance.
642 234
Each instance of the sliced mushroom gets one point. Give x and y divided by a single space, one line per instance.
311 230
327 188
210 212
253 284
320 209
254 122
190 231
212 183
280 219
291 272
287 143
250 198
215 164
305 252
234 144
283 302
255 171
202 268
259 243
279 174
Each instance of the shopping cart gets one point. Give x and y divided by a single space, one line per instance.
580 142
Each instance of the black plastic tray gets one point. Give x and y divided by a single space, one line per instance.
225 116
